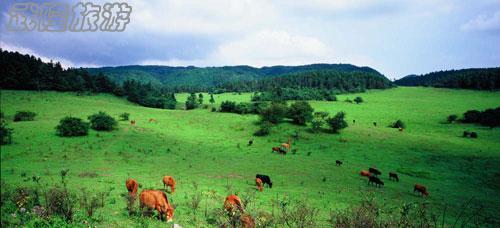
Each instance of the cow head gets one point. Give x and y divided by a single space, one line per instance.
170 213
270 184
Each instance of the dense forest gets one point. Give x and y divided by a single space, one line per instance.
309 82
227 78
479 79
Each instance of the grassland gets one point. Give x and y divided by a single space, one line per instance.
209 148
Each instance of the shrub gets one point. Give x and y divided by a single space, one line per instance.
358 100
102 122
466 134
452 118
124 116
489 117
300 112
214 109
316 124
24 116
72 126
5 132
227 106
265 129
472 116
398 124
337 122
191 102
473 134
274 113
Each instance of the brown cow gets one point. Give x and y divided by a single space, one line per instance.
401 129
169 181
365 173
132 187
152 120
259 184
231 201
155 199
279 150
132 122
420 188
287 145
247 221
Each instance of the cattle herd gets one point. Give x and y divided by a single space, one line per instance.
158 200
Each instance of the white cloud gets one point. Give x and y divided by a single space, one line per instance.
483 23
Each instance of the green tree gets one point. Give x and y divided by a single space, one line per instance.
300 112
102 122
212 100
200 98
274 113
191 102
358 100
337 122
72 126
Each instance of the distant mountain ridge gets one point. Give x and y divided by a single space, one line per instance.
474 78
205 77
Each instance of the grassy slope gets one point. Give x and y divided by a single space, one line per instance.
202 146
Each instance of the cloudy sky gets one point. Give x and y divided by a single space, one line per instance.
396 37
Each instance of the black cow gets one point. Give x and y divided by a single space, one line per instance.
265 179
393 175
376 180
375 172
338 163
374 124
250 142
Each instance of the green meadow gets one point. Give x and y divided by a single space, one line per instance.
207 153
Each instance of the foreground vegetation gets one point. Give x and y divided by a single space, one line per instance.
208 155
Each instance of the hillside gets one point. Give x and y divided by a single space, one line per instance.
208 155
479 79
208 77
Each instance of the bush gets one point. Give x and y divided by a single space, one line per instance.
358 100
472 116
300 112
228 106
102 122
452 118
72 126
24 116
5 132
337 122
274 113
316 124
265 129
398 124
124 116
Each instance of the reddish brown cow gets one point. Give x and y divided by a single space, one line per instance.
132 122
401 129
231 201
422 189
152 120
365 173
259 184
247 221
169 181
132 187
155 199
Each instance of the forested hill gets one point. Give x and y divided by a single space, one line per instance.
197 78
479 79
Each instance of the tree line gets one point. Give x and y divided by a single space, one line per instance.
478 79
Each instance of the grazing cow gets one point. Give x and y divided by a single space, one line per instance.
259 184
375 171
401 129
132 187
247 221
420 188
365 173
132 122
338 163
250 142
232 201
353 121
152 120
376 180
265 179
374 124
279 150
155 199
169 181
287 145
393 175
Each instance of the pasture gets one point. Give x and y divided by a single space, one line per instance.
207 153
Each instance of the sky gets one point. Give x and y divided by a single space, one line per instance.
395 37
